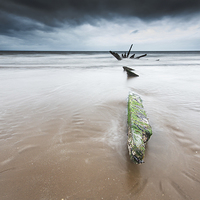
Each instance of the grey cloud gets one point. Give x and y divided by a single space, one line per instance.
10 24
134 32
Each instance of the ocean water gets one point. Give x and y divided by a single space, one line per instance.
63 129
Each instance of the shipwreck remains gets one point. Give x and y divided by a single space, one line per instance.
116 55
130 71
139 129
126 55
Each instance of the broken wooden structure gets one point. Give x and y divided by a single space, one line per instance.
126 55
130 71
139 129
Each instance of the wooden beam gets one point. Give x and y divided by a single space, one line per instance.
132 56
129 50
140 56
116 55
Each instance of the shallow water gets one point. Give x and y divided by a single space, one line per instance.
63 129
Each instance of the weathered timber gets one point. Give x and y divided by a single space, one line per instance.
131 73
129 50
139 129
124 67
141 56
116 55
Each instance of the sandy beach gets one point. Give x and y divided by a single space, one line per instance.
63 130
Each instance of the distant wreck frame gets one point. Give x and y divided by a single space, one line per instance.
126 55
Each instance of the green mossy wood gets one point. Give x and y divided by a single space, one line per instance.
139 130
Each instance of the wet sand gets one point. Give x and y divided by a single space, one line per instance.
63 134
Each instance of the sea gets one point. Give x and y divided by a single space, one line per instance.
63 125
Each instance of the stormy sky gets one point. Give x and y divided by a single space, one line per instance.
87 25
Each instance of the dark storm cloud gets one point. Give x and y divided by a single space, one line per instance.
54 13
72 9
10 23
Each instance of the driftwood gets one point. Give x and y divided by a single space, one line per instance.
126 55
139 129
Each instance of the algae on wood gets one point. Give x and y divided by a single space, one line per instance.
139 129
